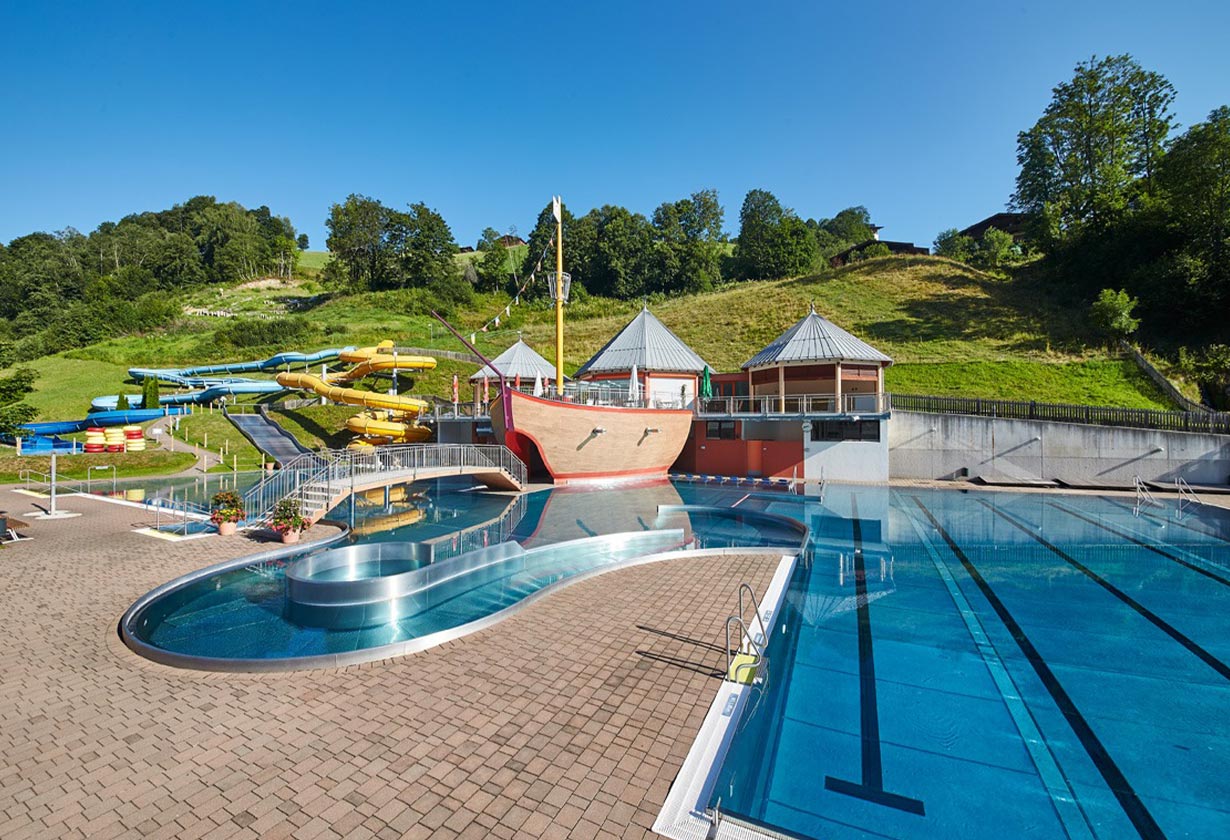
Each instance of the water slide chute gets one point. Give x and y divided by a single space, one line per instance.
380 430
208 374
205 395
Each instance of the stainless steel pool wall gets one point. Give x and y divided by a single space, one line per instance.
132 616
355 657
305 586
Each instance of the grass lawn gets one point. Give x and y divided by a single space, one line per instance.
214 432
318 426
65 386
314 260
933 316
1092 382
74 467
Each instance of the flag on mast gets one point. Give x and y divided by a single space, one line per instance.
555 209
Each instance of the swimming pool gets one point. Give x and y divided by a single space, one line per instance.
989 665
472 556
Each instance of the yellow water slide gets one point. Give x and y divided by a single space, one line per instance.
378 359
390 418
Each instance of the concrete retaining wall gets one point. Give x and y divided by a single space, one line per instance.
942 445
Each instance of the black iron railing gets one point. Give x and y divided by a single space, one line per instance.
1097 415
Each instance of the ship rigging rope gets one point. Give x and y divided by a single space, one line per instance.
516 301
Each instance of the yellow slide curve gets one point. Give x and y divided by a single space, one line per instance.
369 360
382 430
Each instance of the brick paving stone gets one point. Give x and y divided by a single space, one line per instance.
569 719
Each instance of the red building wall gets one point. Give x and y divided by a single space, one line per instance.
765 458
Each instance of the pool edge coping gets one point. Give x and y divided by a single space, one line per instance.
396 649
682 815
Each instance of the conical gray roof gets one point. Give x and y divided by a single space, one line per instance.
518 360
648 344
816 339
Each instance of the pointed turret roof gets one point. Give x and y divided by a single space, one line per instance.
647 343
518 360
815 339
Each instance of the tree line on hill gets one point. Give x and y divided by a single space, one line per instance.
611 251
67 289
1119 199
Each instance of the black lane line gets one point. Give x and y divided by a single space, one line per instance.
1135 810
1132 538
1153 618
871 788
1140 512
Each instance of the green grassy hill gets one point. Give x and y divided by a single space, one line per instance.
950 329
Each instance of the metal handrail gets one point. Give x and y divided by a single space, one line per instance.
1143 496
746 587
1187 496
745 637
795 404
334 467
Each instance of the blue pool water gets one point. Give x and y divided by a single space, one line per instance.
944 664
992 665
244 613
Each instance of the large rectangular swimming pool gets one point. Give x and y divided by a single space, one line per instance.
992 665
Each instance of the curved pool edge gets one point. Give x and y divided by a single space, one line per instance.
156 654
398 649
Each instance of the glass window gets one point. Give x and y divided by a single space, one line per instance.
834 430
720 430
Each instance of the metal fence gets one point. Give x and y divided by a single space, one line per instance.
1217 423
333 469
800 404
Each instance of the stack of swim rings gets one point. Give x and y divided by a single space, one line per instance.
134 439
114 438
95 439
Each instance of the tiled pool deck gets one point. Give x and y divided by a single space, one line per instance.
569 719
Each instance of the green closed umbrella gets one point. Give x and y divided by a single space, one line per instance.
706 385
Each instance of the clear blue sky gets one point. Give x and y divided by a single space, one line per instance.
483 111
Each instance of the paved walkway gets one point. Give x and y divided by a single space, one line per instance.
569 719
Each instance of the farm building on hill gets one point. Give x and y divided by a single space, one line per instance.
840 259
1010 223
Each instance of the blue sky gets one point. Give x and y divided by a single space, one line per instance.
483 111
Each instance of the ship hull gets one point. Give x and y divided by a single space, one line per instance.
566 437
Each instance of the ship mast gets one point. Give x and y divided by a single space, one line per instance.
559 294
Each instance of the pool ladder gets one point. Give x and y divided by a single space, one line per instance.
1144 498
746 662
1187 496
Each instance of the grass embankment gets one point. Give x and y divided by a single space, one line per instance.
1091 382
317 426
951 330
314 260
217 434
75 467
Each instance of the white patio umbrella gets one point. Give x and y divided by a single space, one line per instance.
634 387
538 384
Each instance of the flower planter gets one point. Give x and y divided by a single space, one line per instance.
227 529
290 537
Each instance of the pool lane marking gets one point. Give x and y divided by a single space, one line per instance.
871 788
1068 809
1166 521
1130 537
1123 791
1144 612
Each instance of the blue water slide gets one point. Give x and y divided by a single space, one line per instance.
43 437
209 394
184 376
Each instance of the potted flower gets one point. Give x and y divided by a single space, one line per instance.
227 511
288 520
